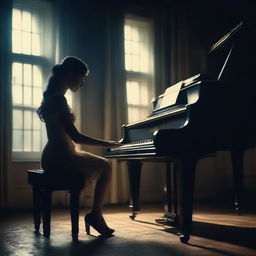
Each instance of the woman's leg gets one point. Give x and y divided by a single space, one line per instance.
100 188
92 166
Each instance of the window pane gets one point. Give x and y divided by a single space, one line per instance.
17 119
128 46
144 63
128 62
144 97
16 41
26 32
35 24
135 34
36 122
27 119
17 73
135 63
37 76
27 74
36 141
17 140
37 96
36 44
26 21
135 48
133 93
26 42
27 95
133 114
16 19
144 113
27 140
17 94
127 32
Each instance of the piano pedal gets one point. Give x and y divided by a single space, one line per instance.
169 219
161 221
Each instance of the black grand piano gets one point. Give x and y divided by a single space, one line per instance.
192 119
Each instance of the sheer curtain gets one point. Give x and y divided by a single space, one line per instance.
66 40
171 46
65 25
115 99
5 97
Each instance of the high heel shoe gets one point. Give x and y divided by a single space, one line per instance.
98 224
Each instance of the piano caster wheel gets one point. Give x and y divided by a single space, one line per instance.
184 238
133 216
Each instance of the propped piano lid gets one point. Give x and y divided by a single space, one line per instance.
228 36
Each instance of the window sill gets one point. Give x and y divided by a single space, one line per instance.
26 156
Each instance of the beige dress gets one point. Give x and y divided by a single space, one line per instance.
59 154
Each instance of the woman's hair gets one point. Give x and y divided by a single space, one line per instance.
68 65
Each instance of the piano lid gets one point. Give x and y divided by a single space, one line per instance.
227 37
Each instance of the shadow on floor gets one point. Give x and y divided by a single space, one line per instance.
113 246
230 234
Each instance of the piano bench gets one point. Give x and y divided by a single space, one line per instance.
44 184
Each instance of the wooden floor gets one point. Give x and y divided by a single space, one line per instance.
216 232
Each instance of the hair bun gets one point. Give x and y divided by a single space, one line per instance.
70 64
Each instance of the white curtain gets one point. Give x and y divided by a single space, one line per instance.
5 97
115 99
65 25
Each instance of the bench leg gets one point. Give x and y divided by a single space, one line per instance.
47 198
37 208
74 212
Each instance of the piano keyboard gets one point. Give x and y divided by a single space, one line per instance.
136 144
141 148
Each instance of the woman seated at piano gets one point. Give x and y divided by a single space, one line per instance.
59 153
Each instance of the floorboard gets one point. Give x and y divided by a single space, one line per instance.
216 232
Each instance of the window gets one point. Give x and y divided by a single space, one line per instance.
139 67
30 62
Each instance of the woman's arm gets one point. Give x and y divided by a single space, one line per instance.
79 138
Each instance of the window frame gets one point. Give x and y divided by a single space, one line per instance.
44 60
140 76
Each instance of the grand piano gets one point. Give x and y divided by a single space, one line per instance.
193 119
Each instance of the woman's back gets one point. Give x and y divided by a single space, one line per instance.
55 112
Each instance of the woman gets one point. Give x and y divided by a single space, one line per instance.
59 152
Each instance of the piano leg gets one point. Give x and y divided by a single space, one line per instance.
186 177
170 192
134 170
237 162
